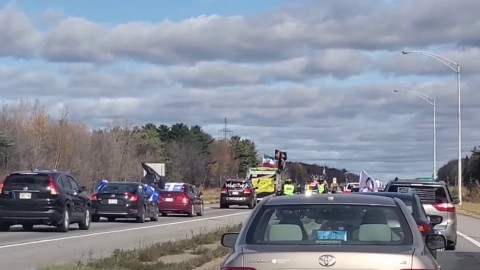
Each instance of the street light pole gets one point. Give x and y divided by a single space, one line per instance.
455 66
431 101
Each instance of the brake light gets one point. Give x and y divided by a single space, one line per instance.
247 191
132 197
224 191
183 198
424 228
1 187
94 197
444 207
52 187
238 268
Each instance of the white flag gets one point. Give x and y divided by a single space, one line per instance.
367 183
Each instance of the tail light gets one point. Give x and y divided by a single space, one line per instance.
444 207
52 187
131 197
1 187
247 191
224 191
238 268
183 198
424 228
93 197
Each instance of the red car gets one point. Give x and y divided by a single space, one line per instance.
180 198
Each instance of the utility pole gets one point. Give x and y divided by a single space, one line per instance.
225 131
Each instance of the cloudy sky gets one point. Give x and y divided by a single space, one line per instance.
313 78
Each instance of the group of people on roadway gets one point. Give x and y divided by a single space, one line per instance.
315 184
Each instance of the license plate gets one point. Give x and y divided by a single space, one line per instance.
235 199
25 196
112 201
169 199
403 190
235 193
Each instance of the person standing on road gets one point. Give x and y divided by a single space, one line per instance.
322 187
288 187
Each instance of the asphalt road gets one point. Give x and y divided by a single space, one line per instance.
21 250
467 254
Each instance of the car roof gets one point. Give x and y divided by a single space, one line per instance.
331 199
389 194
417 183
124 183
175 183
37 171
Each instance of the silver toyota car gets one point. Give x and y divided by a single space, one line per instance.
331 231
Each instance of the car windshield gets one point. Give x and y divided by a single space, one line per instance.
118 188
427 194
330 225
27 180
235 185
174 187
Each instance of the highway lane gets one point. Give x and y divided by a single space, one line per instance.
467 254
28 250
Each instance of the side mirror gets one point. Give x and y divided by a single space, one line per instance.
83 188
255 188
435 241
200 194
435 220
455 200
229 239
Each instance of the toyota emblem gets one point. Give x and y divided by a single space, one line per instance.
25 188
327 260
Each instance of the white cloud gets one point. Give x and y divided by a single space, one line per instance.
315 79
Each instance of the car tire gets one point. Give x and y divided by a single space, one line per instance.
222 205
85 223
27 227
202 208
251 205
4 227
164 214
141 218
155 215
95 218
64 225
192 211
451 246
111 219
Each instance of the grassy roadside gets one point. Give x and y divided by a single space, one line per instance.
470 202
211 195
195 253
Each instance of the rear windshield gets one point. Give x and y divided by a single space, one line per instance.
118 188
174 187
427 194
235 185
27 180
343 225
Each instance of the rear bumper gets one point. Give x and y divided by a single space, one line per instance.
52 215
106 211
164 207
236 200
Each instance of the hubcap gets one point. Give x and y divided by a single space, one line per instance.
67 219
87 218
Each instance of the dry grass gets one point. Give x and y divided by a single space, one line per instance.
470 201
197 251
211 195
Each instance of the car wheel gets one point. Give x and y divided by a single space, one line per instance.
192 211
85 223
164 214
202 208
141 218
95 218
111 219
27 227
4 227
155 215
65 223
224 205
251 205
451 246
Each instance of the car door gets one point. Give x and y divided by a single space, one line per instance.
195 197
79 200
145 198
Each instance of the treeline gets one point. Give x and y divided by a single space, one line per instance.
470 170
300 172
30 139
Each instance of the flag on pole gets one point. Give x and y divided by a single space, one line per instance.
367 183
268 161
324 170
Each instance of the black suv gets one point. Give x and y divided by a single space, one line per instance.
238 192
43 197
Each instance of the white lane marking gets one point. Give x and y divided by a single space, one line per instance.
469 239
115 231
